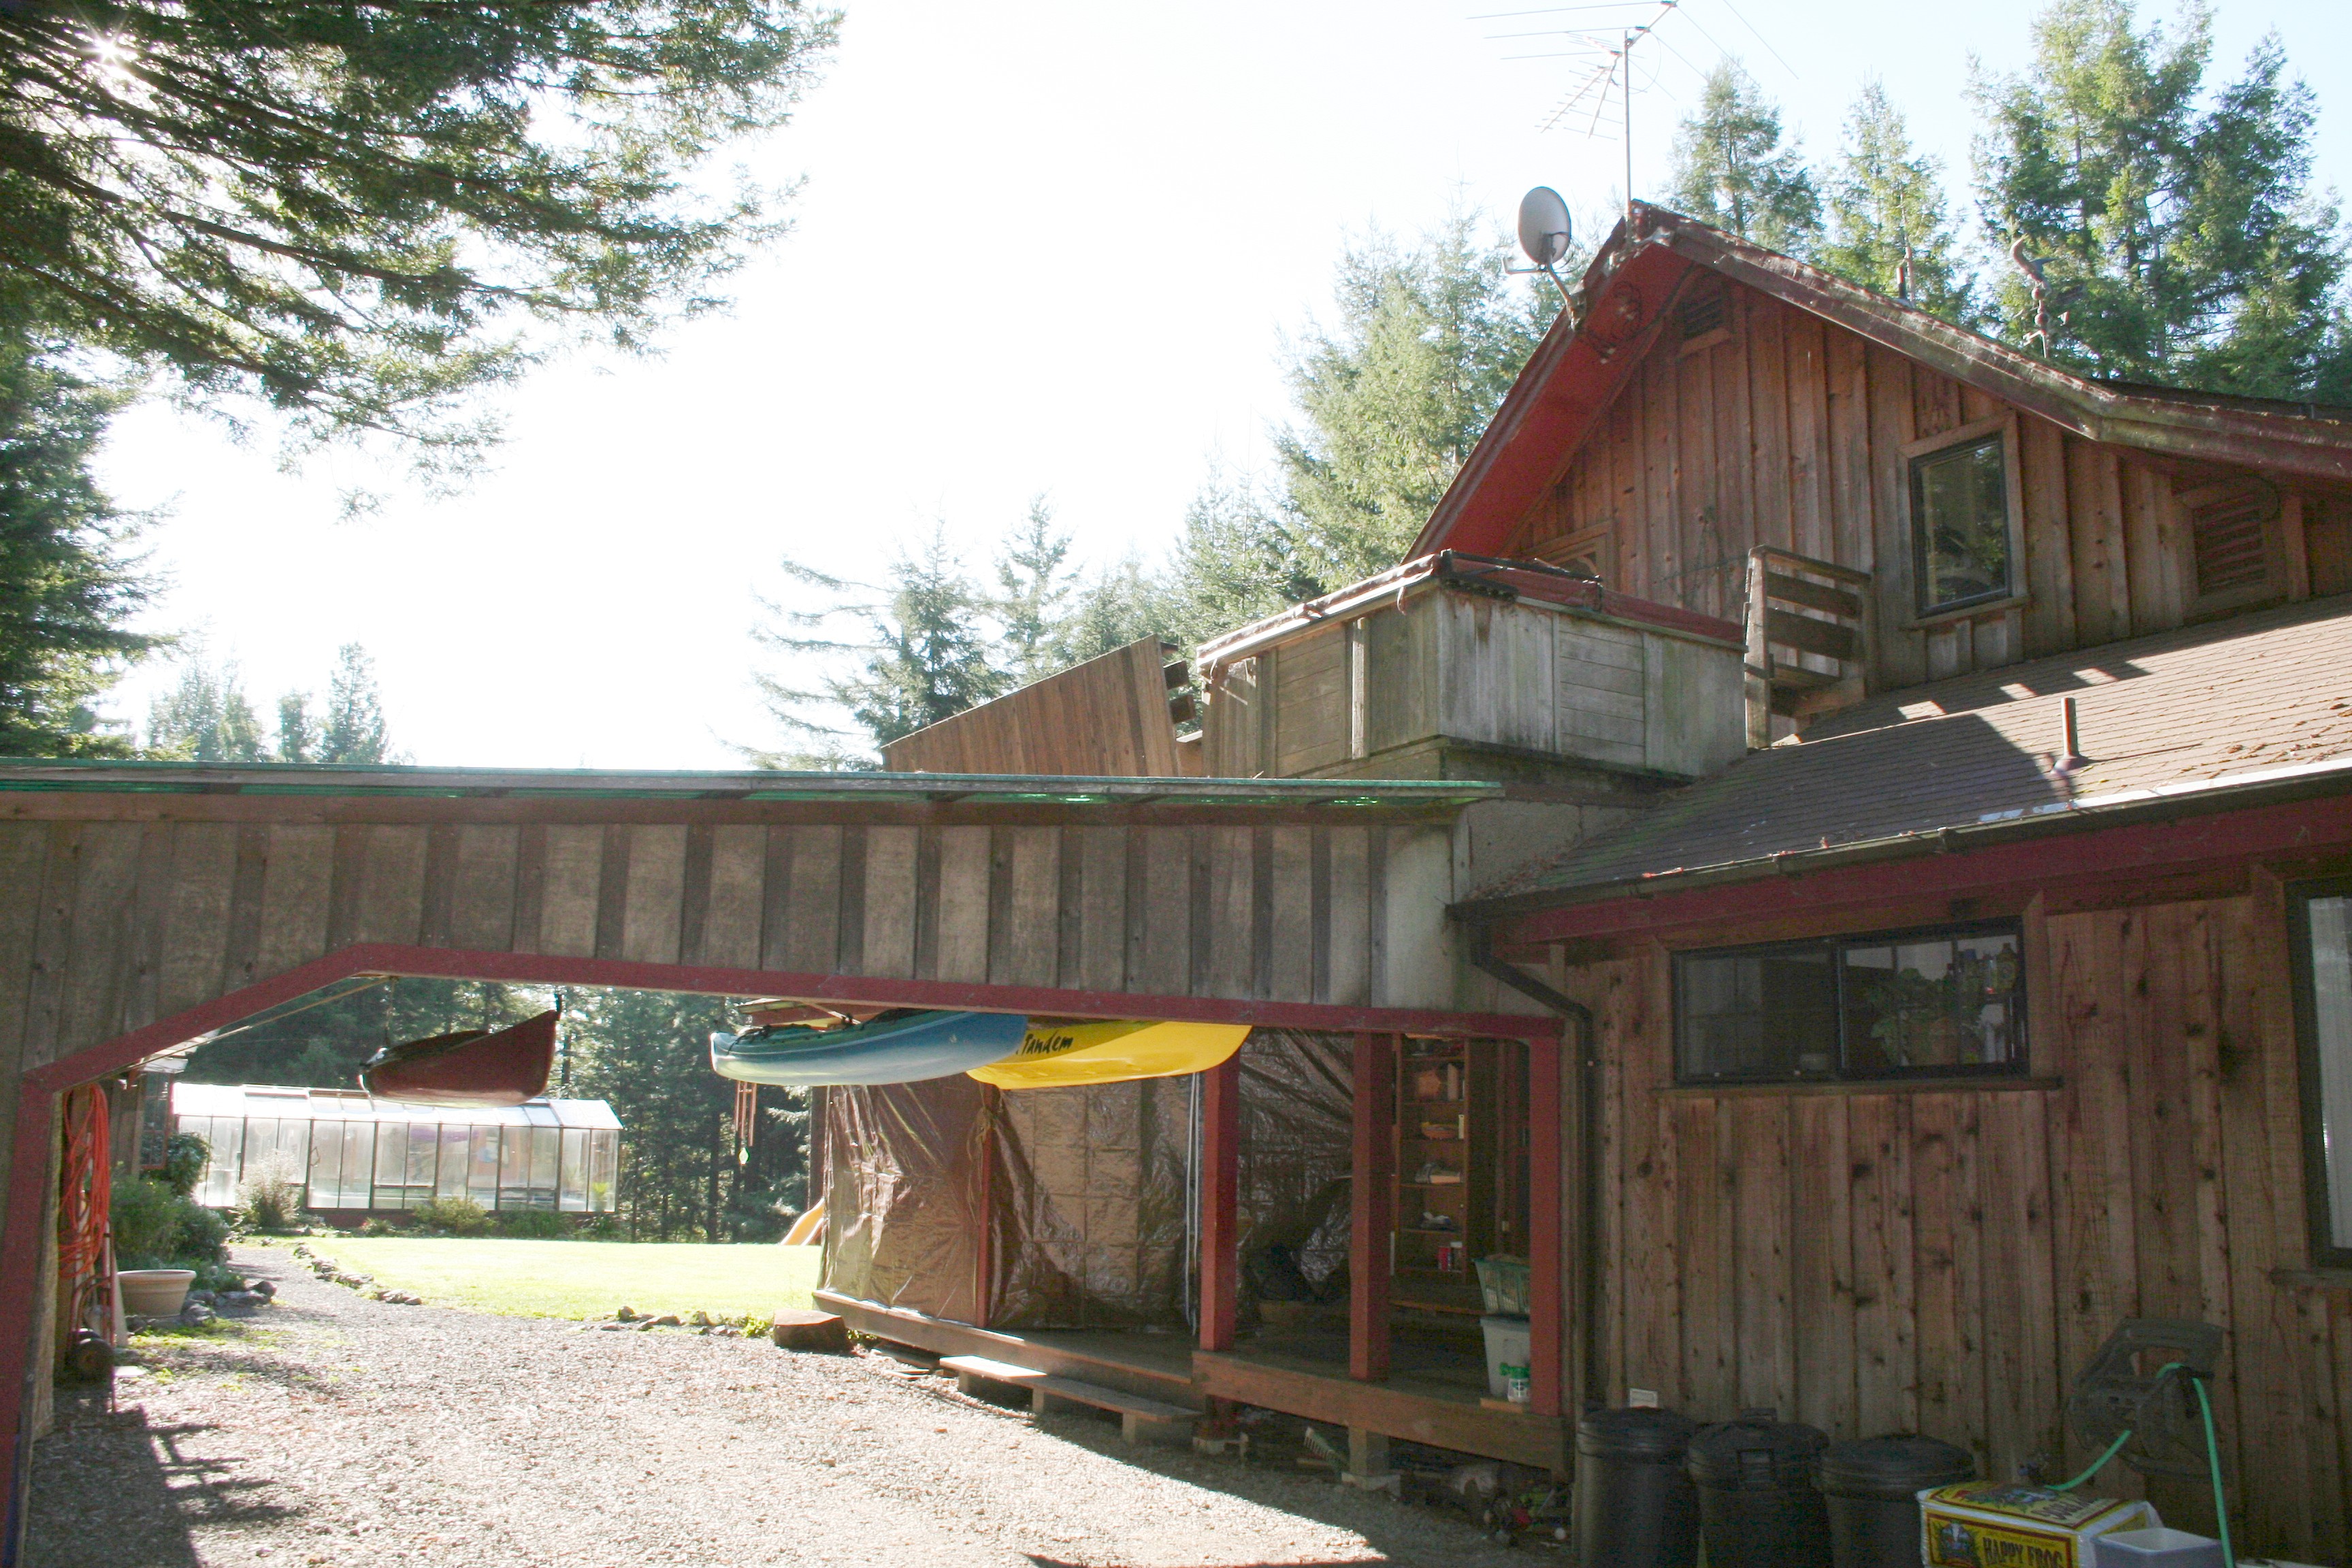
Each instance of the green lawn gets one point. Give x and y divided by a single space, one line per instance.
583 1278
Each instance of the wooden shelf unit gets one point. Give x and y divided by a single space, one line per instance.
1474 1092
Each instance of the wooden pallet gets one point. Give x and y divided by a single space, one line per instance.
1140 1418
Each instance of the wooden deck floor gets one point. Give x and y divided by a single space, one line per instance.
1434 1393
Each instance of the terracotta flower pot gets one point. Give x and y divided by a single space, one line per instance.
155 1292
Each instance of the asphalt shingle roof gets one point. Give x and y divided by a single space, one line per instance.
2201 704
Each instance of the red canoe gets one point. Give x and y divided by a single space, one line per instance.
472 1067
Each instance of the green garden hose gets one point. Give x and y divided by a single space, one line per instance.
2212 1457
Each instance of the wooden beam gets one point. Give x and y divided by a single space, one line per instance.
1544 1261
1373 1208
1456 1422
1221 1263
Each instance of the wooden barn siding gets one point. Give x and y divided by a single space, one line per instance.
1947 1262
1790 432
1106 718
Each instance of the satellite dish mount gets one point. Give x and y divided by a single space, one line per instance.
1545 233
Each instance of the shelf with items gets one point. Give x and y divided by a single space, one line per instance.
1460 1170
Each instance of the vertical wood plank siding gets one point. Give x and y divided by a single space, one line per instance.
1791 433
1947 1262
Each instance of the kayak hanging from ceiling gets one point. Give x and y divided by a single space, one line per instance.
470 1067
906 1045
1055 1053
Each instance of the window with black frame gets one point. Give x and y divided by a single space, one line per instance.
1959 517
1940 1003
2322 919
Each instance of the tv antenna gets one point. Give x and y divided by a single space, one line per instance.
1545 233
1602 35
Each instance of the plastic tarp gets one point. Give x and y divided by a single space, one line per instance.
1088 1190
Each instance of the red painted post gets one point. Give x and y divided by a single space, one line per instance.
1373 1206
1544 1227
1221 1263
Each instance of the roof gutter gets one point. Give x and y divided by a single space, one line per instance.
2164 803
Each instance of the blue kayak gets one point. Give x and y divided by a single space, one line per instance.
896 1047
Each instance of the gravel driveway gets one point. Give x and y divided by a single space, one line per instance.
331 1429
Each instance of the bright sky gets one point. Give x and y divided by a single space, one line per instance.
1042 247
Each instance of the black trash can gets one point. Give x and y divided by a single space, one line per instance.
1758 1506
1635 1507
1871 1488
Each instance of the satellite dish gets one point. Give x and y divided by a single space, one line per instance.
1544 231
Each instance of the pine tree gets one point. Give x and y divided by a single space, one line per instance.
1427 344
359 214
205 718
68 581
355 729
1033 587
299 733
1732 170
2173 221
1888 226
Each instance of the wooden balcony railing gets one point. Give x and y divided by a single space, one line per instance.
1809 658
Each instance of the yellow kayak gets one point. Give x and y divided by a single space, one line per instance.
1053 1054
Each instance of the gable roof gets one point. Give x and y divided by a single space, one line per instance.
1576 372
2260 700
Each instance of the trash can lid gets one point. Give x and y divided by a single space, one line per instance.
1759 1452
1656 1435
1895 1466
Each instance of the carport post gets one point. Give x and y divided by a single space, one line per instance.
1372 1208
1220 1140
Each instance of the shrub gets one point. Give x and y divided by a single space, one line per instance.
457 1216
155 1227
533 1225
379 1227
601 1228
185 1159
270 1198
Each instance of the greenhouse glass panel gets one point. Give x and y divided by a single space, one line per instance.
456 1150
391 1165
326 1184
514 1169
571 1193
482 1168
358 1162
221 1135
546 1149
260 1145
604 1155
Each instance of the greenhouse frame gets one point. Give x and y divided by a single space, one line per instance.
355 1152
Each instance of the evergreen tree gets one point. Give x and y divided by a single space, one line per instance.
205 717
68 583
1427 344
355 729
299 736
2173 221
1732 170
1888 228
360 213
323 1046
1033 587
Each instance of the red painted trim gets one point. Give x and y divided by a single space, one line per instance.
1220 1147
1372 1207
1544 1334
2307 826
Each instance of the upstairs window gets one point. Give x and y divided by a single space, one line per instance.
1960 523
1941 1003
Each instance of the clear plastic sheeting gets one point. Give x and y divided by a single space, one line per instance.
1085 1190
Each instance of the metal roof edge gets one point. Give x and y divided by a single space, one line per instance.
2262 786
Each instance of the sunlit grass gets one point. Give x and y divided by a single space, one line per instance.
583 1278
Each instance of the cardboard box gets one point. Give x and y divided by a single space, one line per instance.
2005 1524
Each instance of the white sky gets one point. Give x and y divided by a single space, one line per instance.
1041 248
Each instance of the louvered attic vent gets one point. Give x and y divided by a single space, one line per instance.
1702 312
2228 530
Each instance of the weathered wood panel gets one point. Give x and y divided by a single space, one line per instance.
1797 434
1108 717
1945 1261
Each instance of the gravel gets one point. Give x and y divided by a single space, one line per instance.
330 1429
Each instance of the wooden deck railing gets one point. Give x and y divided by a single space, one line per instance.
1825 632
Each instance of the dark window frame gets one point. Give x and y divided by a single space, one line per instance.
1999 439
1835 946
2300 896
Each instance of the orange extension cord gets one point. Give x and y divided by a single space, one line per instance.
82 1207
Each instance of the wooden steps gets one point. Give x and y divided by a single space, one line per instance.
1140 1418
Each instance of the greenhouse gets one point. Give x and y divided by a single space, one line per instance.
354 1151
